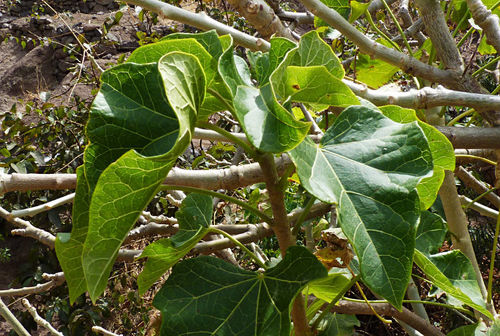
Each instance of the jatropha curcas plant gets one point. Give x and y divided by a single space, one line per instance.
381 167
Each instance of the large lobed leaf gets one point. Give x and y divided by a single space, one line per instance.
207 296
141 121
370 166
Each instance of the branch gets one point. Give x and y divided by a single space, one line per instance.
39 320
244 175
488 21
448 53
201 21
261 17
415 31
103 331
482 209
425 98
153 229
28 230
24 182
54 281
471 182
253 233
44 207
386 309
376 5
438 31
376 50
472 137
299 17
12 320
458 224
214 179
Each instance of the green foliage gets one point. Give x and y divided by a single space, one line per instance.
443 155
247 303
194 217
370 166
460 283
380 167
374 72
338 325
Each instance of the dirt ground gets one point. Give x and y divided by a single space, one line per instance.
55 56
40 53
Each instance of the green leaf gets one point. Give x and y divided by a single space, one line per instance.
69 247
341 6
151 53
215 46
209 40
476 329
263 64
129 111
430 233
485 48
328 288
370 166
311 51
374 72
357 9
121 117
443 154
267 124
453 273
194 218
495 328
233 72
206 295
338 325
127 185
317 86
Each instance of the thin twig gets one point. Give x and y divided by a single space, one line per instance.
12 320
56 280
30 212
103 331
39 320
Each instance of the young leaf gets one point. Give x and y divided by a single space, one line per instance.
369 165
453 273
374 72
316 85
443 154
267 124
311 51
194 218
263 64
215 46
328 288
206 295
127 185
